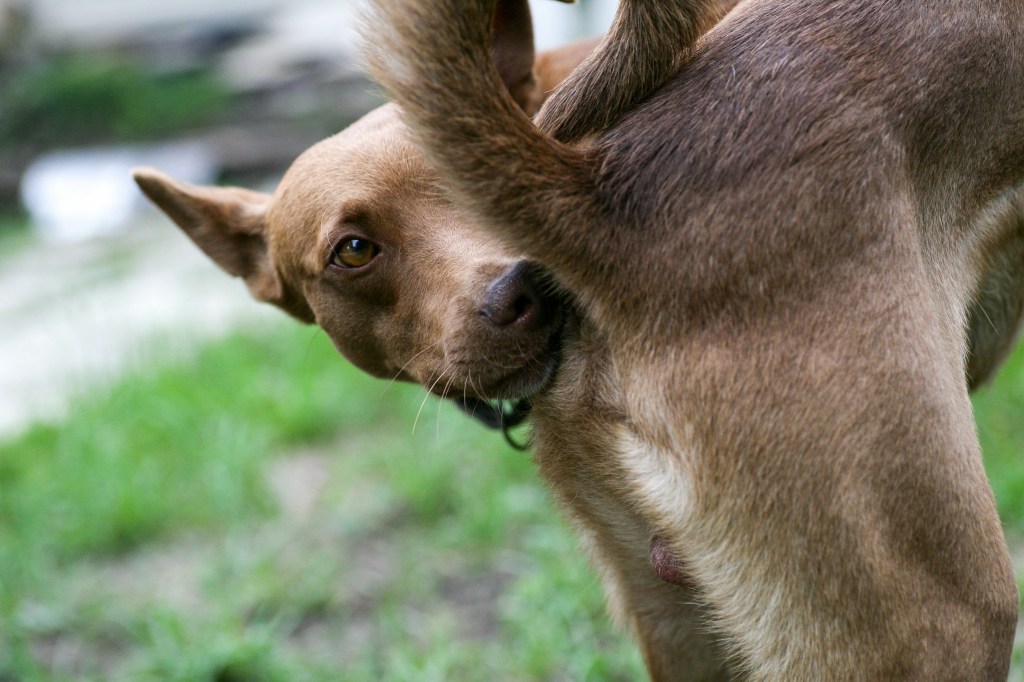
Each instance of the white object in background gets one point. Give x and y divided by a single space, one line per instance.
556 23
77 195
314 33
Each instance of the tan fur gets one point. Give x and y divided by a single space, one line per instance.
621 72
626 479
785 258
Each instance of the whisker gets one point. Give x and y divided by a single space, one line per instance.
468 384
444 394
399 372
985 313
478 390
426 397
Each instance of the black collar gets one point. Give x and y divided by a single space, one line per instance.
495 415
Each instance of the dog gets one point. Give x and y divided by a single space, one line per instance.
793 240
228 222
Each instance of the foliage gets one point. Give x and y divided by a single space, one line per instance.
999 410
78 100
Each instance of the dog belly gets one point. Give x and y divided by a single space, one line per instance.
794 529
602 478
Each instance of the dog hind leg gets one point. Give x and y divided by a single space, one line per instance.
647 42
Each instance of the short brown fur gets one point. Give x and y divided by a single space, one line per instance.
785 258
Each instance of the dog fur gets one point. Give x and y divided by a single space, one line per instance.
785 259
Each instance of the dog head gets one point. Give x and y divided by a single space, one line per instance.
360 239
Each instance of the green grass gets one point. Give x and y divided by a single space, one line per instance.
14 232
999 409
142 539
78 100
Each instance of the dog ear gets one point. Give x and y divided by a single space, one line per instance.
514 53
229 225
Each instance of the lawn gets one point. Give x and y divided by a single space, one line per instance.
266 512
262 511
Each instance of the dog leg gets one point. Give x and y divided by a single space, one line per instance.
997 310
647 42
865 545
670 621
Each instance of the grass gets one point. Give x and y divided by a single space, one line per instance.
999 409
142 538
14 232
263 511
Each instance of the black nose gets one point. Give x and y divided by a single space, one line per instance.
516 298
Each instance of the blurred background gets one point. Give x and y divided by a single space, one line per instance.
193 487
230 91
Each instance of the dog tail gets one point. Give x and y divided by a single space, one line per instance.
648 42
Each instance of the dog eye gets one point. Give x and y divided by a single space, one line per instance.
354 253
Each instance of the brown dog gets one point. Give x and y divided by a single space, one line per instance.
788 241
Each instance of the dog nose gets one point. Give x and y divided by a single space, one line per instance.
516 298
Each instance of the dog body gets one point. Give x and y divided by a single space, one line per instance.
786 259
414 311
763 365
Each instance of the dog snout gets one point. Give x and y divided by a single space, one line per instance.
517 298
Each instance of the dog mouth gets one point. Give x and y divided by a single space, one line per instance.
506 401
536 373
506 348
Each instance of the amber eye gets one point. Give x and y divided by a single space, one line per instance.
354 253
